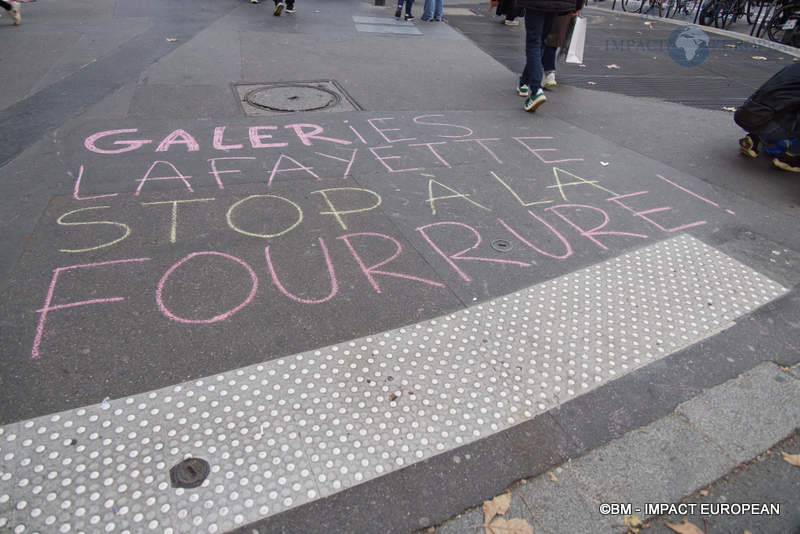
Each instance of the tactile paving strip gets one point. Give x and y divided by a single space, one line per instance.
295 429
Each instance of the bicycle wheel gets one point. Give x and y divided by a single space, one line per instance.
782 26
632 6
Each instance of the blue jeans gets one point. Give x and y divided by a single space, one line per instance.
432 10
409 3
775 141
537 26
549 58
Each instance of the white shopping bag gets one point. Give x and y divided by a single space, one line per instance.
575 52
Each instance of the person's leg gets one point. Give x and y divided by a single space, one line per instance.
279 5
5 5
534 28
437 10
549 66
409 3
290 6
537 25
427 10
399 11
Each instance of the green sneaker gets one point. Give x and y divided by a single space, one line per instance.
524 90
533 102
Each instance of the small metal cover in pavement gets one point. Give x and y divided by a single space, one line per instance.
190 473
288 97
501 245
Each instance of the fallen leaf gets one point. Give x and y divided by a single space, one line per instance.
498 505
730 45
704 493
605 163
612 66
171 39
552 476
392 397
793 459
511 526
592 83
633 523
729 108
747 532
684 528
760 58
581 65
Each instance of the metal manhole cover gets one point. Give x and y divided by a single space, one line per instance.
292 98
295 96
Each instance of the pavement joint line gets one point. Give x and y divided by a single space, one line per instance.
294 429
577 484
764 43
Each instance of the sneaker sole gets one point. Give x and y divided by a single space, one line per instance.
784 166
523 93
534 105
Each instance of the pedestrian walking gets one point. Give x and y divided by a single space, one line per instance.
539 17
432 10
399 10
281 6
771 117
13 10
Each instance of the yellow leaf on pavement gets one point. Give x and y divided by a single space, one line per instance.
498 505
552 476
704 493
633 523
760 58
684 528
171 39
793 459
511 526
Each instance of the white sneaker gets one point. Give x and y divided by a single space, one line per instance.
253 1
15 15
511 22
549 80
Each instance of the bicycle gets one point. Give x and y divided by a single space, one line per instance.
626 6
783 26
722 13
685 7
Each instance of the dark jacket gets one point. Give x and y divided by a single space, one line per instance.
778 100
551 6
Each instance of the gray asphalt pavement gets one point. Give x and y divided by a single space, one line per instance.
377 310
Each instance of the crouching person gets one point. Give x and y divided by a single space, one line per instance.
771 118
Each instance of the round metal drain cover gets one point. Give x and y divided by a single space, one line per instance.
190 473
501 245
292 98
